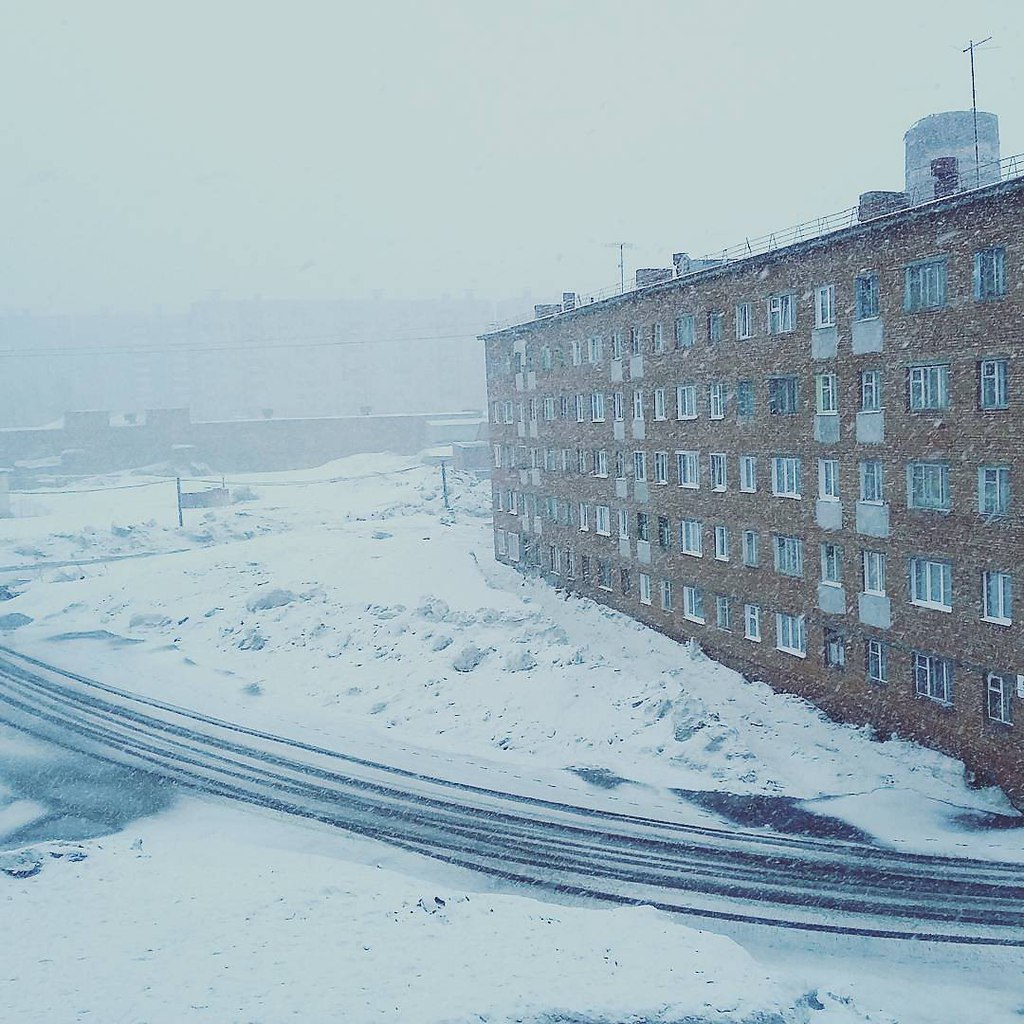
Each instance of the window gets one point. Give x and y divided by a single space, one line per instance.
688 468
791 634
693 604
928 485
828 479
826 394
659 404
570 564
617 406
661 467
832 564
684 331
623 524
584 516
866 296
577 352
925 285
624 581
870 391
664 532
636 340
929 387
555 559
659 339
497 456
871 481
604 574
744 321
750 545
691 537
645 588
998 698
550 459
545 358
716 462
666 595
782 396
723 612
786 476
602 520
600 462
931 584
638 405
874 573
781 313
993 490
501 544
933 677
643 526
616 344
716 401
744 400
722 543
716 320
595 349
640 466
549 409
563 406
581 461
752 622
989 273
835 648
997 597
597 407
992 384
513 546
876 658
825 306
686 402
748 473
620 465
508 412
579 404
789 555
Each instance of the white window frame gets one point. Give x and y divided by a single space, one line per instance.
661 467
686 401
786 472
659 339
781 313
748 474
874 569
623 523
825 306
718 468
716 400
600 462
994 490
595 348
744 321
723 612
644 587
640 466
659 404
751 548
791 634
870 391
831 564
693 604
928 486
722 543
877 660
928 385
933 677
789 554
597 406
828 479
999 697
925 285
638 405
997 597
992 390
602 520
665 588
872 481
752 622
501 543
929 577
826 392
688 469
584 517
691 537
617 407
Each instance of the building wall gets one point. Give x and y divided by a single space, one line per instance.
959 335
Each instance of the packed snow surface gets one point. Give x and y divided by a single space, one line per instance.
346 607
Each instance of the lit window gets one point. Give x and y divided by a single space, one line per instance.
933 677
791 634
925 285
931 584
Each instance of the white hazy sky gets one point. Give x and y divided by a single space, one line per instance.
152 153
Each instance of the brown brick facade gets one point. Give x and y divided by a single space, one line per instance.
945 702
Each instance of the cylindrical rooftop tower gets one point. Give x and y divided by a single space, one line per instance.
940 155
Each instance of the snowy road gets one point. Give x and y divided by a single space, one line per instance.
794 882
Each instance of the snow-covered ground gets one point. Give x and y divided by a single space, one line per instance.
343 606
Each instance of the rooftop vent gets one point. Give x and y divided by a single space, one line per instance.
568 302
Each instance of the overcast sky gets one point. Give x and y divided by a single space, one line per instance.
152 154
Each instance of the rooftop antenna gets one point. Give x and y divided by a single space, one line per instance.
621 246
970 48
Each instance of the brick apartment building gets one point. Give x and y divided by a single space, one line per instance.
809 460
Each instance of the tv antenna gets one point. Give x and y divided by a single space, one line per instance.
970 48
621 246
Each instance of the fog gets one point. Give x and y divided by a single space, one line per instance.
379 178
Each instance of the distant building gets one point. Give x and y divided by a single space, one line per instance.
809 459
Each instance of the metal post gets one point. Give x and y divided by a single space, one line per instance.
974 109
444 485
177 484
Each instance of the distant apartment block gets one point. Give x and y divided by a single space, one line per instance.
809 460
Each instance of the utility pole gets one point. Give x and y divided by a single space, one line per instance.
621 246
970 48
444 484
